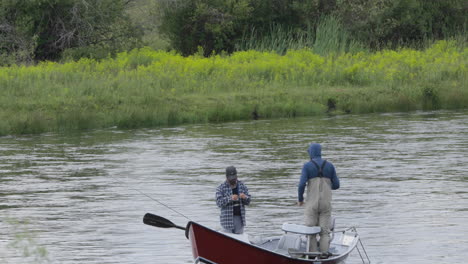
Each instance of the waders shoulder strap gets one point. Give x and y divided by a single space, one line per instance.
320 169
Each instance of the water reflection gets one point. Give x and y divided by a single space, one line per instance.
404 182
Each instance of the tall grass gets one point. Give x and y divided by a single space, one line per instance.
331 37
146 88
328 37
278 39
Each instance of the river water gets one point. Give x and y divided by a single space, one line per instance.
80 198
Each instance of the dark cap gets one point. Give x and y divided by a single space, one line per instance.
231 172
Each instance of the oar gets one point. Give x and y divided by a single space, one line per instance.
158 221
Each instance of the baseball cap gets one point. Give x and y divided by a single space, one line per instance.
231 173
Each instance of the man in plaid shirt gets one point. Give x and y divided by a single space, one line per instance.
232 196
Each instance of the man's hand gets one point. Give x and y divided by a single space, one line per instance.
243 196
234 197
300 203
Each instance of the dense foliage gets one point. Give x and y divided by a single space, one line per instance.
36 30
217 25
403 22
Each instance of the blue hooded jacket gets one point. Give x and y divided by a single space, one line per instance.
309 170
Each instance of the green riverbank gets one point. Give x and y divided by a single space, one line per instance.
147 88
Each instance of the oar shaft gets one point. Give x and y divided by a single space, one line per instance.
179 227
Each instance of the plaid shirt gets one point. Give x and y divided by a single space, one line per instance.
223 200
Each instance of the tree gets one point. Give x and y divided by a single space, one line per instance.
210 24
43 29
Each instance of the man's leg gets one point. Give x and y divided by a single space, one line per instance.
238 226
324 222
312 220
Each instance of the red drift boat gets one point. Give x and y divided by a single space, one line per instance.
213 247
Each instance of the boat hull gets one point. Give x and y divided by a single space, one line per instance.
222 249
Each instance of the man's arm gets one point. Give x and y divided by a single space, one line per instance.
222 197
244 194
302 185
334 179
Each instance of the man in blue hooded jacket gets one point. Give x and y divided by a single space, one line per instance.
320 177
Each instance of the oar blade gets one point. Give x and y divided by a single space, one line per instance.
158 221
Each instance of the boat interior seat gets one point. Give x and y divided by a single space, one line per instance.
300 229
306 230
290 241
295 236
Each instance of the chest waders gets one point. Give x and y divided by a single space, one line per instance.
318 212
320 171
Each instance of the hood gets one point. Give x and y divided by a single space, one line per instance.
315 150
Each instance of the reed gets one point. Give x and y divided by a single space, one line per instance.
329 37
147 88
278 39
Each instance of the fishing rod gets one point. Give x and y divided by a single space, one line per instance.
154 199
